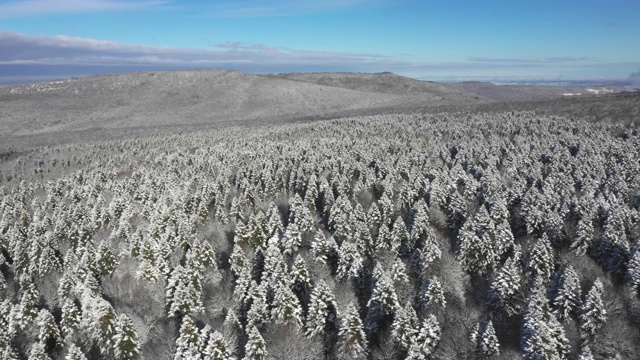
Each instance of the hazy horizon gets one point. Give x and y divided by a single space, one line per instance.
497 40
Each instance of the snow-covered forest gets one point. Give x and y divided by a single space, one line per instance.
450 236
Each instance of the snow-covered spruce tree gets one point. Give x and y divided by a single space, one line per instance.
542 335
426 339
292 239
259 313
256 347
431 294
485 340
26 310
507 286
301 280
48 331
322 310
592 313
403 328
320 247
350 261
106 262
98 322
127 346
38 352
188 343
217 348
353 342
286 307
399 241
383 301
70 321
7 324
633 270
74 353
541 260
567 294
475 251
183 291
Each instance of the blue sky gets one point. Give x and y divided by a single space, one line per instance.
427 39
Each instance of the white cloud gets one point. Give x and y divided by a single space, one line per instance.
64 50
42 7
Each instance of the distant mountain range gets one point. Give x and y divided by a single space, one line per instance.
98 107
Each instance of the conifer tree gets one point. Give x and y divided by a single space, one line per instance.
292 239
322 310
320 247
189 343
38 352
542 335
633 270
48 331
28 300
353 342
70 318
593 315
259 313
126 339
286 307
106 262
301 280
431 293
485 340
426 339
217 348
256 347
403 328
75 353
7 324
350 261
541 259
475 251
567 297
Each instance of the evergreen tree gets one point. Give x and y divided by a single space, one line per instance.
6 324
259 313
353 342
256 347
126 339
189 343
350 262
633 270
320 247
322 309
70 318
567 297
292 239
28 300
542 335
426 340
75 353
217 348
541 259
431 292
38 352
286 308
475 251
106 262
593 315
48 331
485 340
301 280
403 328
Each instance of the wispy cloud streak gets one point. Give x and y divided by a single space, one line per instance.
271 8
64 50
44 7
